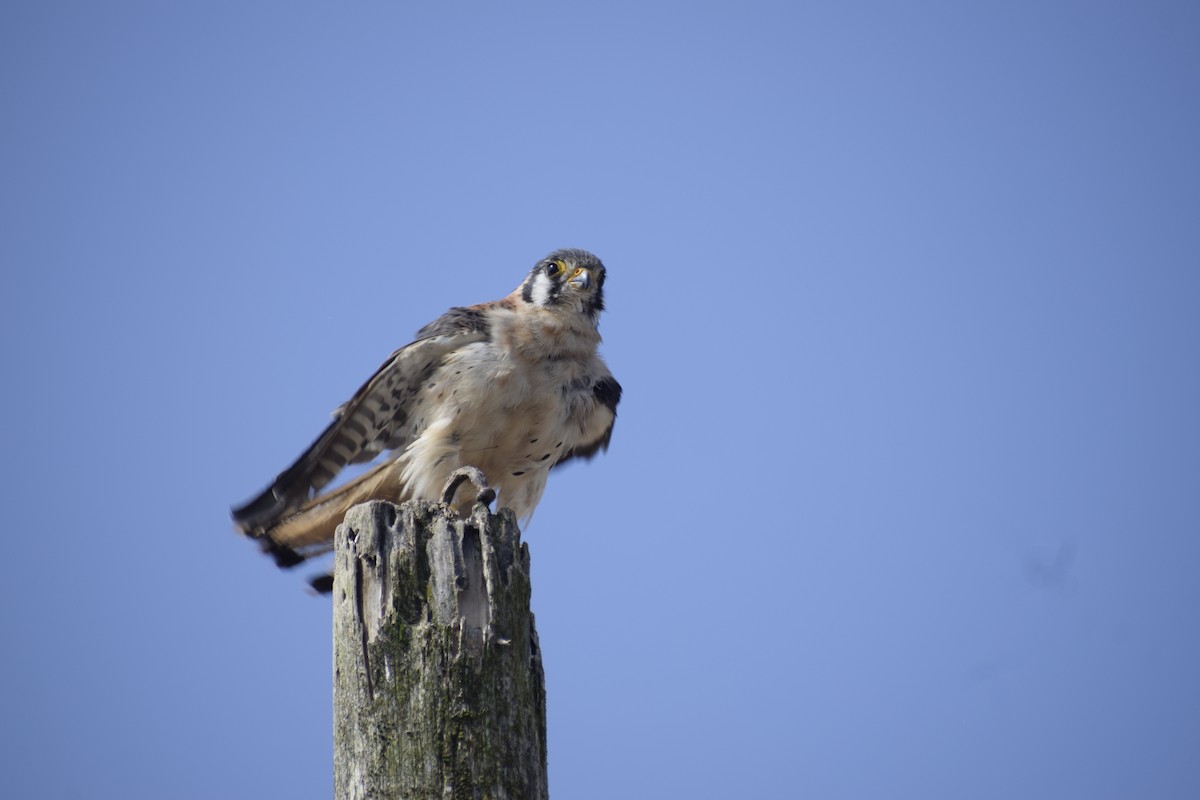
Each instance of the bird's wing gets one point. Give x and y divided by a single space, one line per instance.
606 394
374 420
459 319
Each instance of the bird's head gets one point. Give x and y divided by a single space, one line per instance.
569 280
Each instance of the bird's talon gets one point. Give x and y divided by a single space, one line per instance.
472 474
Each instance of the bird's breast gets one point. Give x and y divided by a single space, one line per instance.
510 416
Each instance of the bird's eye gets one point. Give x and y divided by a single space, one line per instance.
553 268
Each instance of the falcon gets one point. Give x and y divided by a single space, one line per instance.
509 389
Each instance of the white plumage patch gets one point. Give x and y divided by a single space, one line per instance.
541 292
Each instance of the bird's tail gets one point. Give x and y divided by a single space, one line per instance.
311 528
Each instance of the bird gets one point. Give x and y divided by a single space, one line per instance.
500 392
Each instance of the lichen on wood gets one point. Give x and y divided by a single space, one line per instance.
438 683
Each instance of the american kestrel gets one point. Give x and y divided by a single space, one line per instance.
512 387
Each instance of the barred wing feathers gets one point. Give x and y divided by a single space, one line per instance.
374 420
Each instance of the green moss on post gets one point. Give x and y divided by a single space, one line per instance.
438 684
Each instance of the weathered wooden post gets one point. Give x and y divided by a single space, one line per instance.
438 683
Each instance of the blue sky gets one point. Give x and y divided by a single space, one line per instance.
904 497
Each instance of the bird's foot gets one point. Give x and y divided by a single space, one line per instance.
473 474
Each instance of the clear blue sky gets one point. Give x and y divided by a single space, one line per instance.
904 497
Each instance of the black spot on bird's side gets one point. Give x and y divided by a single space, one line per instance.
608 392
543 458
518 474
558 445
533 441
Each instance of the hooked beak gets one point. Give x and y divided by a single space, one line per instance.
581 278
